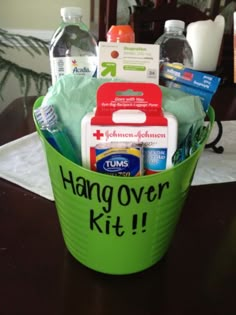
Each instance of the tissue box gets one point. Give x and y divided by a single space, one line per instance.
190 81
129 61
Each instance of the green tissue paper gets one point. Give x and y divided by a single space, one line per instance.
74 96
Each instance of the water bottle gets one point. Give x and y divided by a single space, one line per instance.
174 47
73 49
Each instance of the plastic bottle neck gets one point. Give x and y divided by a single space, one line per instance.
174 30
72 19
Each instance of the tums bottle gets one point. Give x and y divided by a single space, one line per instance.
73 49
174 47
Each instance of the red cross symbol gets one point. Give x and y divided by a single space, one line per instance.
98 134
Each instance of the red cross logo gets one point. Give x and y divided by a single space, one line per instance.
98 134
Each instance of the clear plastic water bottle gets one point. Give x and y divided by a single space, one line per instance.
73 49
174 47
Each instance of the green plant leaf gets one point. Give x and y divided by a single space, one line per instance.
26 77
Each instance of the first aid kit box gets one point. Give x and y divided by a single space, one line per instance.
128 134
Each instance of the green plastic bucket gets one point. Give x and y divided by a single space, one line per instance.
118 225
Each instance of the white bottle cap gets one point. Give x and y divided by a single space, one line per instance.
71 11
175 24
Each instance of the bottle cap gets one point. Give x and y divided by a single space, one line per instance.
71 11
120 34
175 24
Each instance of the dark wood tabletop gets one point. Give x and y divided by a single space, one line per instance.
39 276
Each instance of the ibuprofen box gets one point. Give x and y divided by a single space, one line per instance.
129 61
130 113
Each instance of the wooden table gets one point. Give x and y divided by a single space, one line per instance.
39 276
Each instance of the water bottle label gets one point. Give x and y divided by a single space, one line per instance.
57 68
81 65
